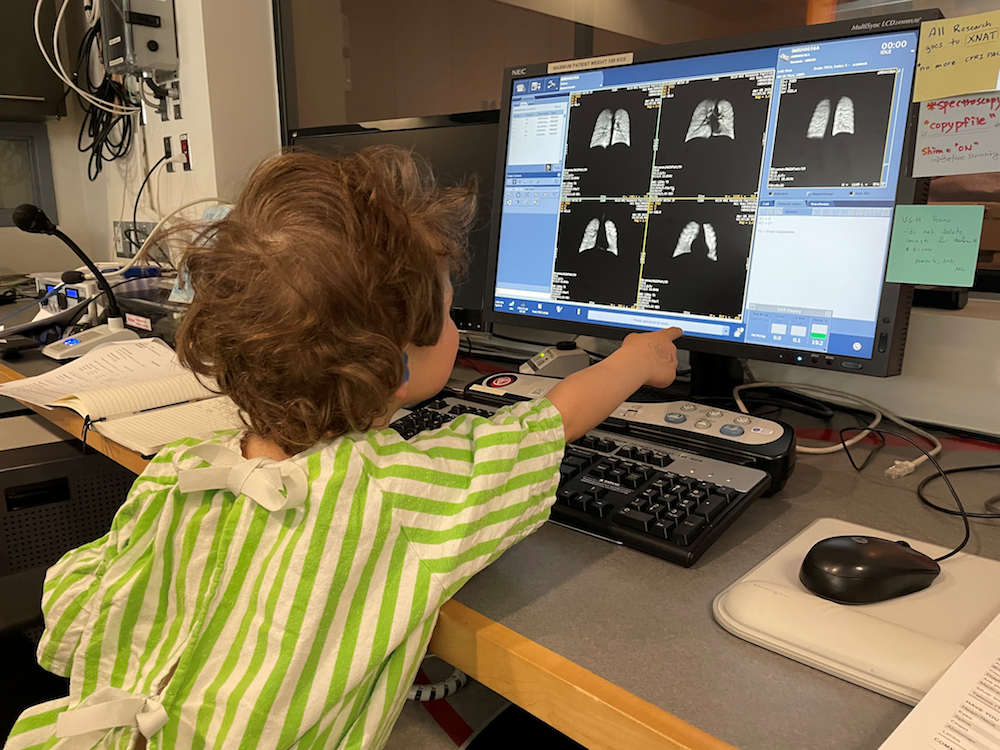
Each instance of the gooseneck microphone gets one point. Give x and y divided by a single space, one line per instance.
32 219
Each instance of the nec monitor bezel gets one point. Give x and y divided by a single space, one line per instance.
895 300
470 293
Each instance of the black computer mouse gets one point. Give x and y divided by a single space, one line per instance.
865 569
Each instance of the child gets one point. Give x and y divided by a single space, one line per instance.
277 588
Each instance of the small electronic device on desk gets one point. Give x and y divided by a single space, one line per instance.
668 489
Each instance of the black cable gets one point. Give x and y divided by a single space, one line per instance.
99 124
135 208
990 503
941 472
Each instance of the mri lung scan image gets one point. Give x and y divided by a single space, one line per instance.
712 118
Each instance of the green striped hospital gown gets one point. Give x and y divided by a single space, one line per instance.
204 620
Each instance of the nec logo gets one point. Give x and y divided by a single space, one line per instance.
518 71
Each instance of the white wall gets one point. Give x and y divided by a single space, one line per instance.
951 370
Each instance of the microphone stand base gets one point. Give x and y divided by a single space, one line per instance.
85 341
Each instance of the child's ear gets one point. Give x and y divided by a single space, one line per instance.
404 388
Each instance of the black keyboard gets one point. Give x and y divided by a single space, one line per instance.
646 495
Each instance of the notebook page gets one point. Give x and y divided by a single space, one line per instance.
106 367
128 399
146 433
961 710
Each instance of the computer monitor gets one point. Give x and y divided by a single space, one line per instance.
742 189
456 146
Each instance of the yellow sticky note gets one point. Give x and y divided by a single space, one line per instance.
958 56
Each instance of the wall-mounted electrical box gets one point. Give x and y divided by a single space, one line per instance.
140 36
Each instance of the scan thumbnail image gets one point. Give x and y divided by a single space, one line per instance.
611 136
713 131
600 244
832 130
699 252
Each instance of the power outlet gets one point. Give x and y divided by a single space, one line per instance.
123 231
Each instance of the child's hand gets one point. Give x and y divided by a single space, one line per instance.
655 354
586 398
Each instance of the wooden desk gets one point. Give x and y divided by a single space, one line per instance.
577 702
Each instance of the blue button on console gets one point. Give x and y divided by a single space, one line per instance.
675 418
731 430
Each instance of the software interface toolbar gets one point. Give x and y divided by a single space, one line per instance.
745 196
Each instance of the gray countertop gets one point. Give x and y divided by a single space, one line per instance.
647 625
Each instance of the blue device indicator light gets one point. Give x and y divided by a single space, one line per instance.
71 342
72 293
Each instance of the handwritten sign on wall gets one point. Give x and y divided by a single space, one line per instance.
958 56
936 245
960 135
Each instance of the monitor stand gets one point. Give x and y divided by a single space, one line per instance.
714 375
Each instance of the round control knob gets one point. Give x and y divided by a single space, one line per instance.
152 45
675 418
689 407
702 424
714 413
741 420
731 430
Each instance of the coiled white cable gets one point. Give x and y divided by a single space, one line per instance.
897 470
149 239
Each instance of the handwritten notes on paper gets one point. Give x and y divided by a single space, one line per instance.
960 135
958 56
935 245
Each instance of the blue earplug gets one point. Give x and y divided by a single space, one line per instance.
406 367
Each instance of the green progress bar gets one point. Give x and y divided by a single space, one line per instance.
818 335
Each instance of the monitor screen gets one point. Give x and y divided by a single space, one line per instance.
746 196
456 146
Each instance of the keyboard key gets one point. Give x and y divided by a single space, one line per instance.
712 507
674 515
687 505
602 468
651 494
656 509
660 459
599 492
697 495
626 452
581 500
615 475
688 530
662 528
642 454
606 446
640 504
635 519
564 495
600 508
727 492
633 479
587 441
567 472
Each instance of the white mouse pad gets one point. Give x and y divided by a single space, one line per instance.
898 648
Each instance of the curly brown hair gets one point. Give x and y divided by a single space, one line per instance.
308 291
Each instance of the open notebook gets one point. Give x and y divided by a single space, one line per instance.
135 393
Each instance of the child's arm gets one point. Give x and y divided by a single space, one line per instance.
586 398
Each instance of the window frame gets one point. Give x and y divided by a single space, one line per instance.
42 184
